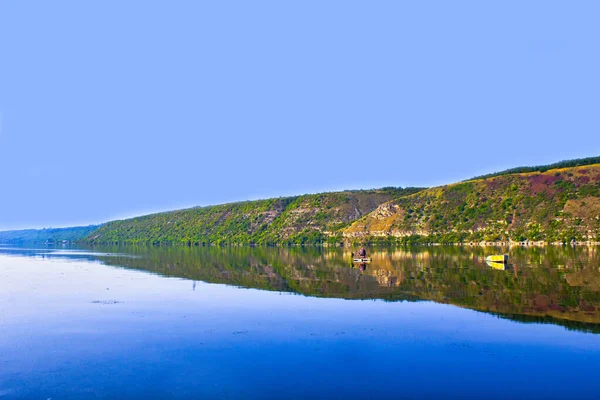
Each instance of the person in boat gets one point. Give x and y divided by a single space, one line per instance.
362 253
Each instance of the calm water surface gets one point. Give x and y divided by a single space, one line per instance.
256 323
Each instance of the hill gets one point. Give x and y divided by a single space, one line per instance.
315 219
539 204
50 235
557 205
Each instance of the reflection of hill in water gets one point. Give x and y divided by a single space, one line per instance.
554 285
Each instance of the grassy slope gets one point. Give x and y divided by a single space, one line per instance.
302 219
555 205
46 235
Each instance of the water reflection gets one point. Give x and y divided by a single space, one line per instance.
559 285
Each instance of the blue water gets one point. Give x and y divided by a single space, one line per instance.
74 327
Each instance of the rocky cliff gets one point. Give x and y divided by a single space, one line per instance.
558 205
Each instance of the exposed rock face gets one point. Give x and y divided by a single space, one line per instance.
556 206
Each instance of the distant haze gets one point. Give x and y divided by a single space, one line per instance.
112 109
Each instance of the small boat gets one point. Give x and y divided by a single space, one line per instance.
502 258
362 260
496 265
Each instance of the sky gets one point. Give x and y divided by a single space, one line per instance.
111 109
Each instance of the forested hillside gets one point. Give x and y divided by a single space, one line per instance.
558 205
314 219
544 204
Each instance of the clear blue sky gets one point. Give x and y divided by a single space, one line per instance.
111 109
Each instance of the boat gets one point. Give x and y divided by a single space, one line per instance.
362 260
496 265
502 258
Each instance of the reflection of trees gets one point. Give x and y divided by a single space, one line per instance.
558 284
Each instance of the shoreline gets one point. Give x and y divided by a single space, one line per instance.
343 244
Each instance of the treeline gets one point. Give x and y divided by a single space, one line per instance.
543 168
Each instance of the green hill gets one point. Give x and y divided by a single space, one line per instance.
558 205
541 203
314 219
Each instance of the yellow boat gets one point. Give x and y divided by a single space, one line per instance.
503 258
496 265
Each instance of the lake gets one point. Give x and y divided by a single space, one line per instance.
298 323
